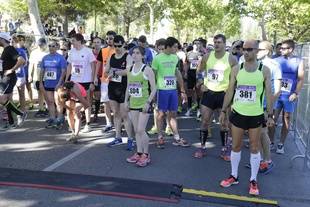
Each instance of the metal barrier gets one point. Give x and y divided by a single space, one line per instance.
301 120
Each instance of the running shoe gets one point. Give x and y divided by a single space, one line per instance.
51 124
130 145
153 130
253 188
72 139
38 114
225 155
272 146
169 131
107 129
160 143
280 149
198 117
266 167
8 126
115 142
143 161
21 119
188 113
134 158
229 182
181 142
86 129
200 153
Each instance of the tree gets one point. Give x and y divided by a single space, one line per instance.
35 19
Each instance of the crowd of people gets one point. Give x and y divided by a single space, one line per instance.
248 85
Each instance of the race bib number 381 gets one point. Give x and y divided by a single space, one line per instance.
170 82
245 94
135 90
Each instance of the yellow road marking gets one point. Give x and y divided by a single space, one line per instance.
232 197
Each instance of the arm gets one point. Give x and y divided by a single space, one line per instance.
126 98
180 80
98 65
269 95
231 89
107 67
300 82
93 71
232 60
151 77
79 96
31 70
20 61
69 69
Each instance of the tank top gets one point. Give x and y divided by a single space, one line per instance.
82 90
118 65
217 72
138 88
249 92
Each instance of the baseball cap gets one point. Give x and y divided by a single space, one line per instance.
6 36
42 41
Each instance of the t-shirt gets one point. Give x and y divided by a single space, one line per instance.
35 58
8 59
103 56
52 65
20 72
165 67
80 61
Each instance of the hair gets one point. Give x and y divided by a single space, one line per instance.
119 38
203 41
268 46
21 38
160 42
278 44
189 48
63 94
170 41
290 43
79 37
142 39
112 33
141 50
220 36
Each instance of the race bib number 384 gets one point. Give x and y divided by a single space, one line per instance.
245 94
170 82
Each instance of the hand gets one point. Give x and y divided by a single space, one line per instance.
184 98
293 97
92 87
223 120
30 80
270 122
146 107
8 72
126 105
57 86
203 88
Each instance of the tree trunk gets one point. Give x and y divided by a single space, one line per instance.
35 19
262 25
65 25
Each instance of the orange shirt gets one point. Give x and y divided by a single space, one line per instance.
106 54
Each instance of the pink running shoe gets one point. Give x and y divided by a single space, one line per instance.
134 158
144 160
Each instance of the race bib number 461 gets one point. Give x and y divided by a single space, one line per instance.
135 90
245 94
215 76
170 82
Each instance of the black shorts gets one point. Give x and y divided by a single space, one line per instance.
49 89
246 122
98 87
37 85
213 100
150 111
7 84
116 93
191 79
86 86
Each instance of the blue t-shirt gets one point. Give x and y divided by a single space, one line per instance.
275 71
148 57
20 72
52 65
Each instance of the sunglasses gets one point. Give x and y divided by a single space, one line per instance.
248 49
51 45
118 46
63 49
284 48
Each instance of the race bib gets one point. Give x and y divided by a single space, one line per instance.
77 69
170 82
286 85
194 64
135 90
215 76
50 75
245 94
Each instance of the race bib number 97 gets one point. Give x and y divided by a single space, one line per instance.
215 76
170 82
245 94
135 90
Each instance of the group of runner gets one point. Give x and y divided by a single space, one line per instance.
247 86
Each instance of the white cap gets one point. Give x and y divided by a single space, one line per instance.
6 36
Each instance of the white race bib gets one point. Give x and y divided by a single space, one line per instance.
245 94
50 75
170 82
135 90
194 64
77 69
286 85
215 76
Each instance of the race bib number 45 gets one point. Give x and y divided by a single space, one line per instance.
286 85
245 94
135 90
170 82
215 76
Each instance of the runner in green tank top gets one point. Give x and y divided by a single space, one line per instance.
246 88
216 67
140 92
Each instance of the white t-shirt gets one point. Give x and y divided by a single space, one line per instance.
80 61
35 58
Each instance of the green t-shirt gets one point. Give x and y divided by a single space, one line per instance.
165 67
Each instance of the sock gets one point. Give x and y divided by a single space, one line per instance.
177 137
10 116
255 161
10 106
198 102
190 102
203 137
97 106
234 162
223 135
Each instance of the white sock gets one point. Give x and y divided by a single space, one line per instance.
255 161
234 162
108 123
177 137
